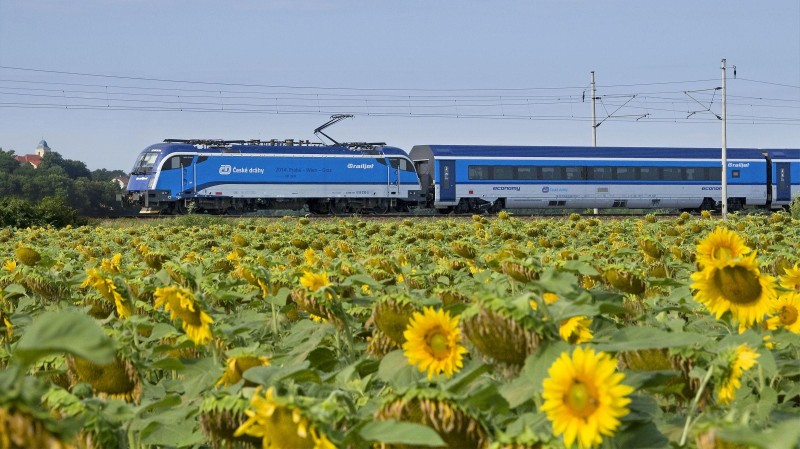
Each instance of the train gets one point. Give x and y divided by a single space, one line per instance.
245 176
238 176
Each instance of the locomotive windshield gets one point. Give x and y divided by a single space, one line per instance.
144 165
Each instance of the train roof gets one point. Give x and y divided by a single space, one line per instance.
492 151
169 147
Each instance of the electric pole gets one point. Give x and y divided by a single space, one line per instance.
724 151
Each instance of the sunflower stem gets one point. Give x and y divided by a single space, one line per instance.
695 401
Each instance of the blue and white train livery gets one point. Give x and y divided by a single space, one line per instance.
238 176
472 178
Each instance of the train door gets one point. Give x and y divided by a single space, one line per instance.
188 174
783 176
394 176
447 181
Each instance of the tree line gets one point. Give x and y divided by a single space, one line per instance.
58 192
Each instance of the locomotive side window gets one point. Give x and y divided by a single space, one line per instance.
176 162
402 164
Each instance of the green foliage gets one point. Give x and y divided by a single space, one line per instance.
52 211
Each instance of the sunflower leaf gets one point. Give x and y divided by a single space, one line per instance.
66 331
398 432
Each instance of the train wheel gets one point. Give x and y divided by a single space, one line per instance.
381 208
339 206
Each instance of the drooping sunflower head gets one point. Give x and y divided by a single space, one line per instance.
180 302
27 255
117 380
314 281
281 424
435 409
738 287
720 246
21 429
584 397
499 335
787 313
236 366
220 415
736 361
391 316
433 342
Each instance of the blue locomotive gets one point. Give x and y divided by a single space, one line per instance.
241 176
466 179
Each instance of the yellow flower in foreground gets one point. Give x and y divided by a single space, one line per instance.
109 291
736 286
584 397
236 366
180 303
113 264
719 247
313 281
433 342
575 330
548 298
10 265
280 426
742 360
311 257
791 280
787 308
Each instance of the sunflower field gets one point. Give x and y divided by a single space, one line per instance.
467 332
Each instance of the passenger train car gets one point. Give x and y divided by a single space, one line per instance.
465 179
237 176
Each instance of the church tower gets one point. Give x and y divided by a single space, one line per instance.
42 149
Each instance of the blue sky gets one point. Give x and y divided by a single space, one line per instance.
410 71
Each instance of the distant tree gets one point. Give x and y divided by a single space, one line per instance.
8 161
106 175
74 169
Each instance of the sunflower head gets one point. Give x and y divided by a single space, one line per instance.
720 246
738 287
584 397
735 362
518 271
236 366
433 342
454 424
118 379
500 336
391 316
220 416
576 330
181 304
279 423
27 255
786 313
790 280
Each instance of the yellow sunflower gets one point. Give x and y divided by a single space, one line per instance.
548 298
787 308
112 265
584 397
575 330
719 247
791 280
736 286
180 303
314 281
236 367
10 265
433 342
109 291
280 425
742 359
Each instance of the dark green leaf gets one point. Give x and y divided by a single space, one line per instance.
66 331
398 432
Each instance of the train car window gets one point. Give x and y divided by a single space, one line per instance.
601 173
479 172
672 174
423 167
626 173
694 173
552 173
735 173
526 172
648 173
503 172
714 174
573 173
